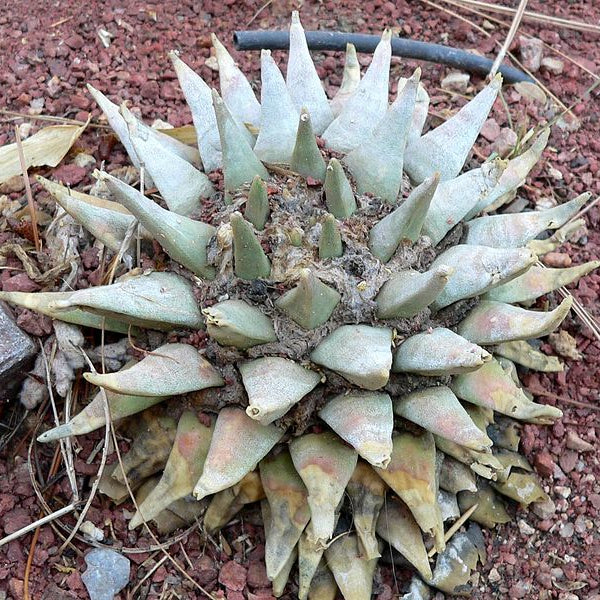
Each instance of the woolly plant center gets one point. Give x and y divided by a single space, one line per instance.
291 240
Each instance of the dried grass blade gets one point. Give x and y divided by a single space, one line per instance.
34 224
509 37
45 148
534 16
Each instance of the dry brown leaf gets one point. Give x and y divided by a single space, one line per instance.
531 91
185 134
47 147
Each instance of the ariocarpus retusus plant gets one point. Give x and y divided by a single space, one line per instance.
356 374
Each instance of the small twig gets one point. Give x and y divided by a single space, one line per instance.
583 211
258 12
131 595
47 519
578 308
509 37
534 16
455 527
457 16
30 555
502 23
540 392
51 472
96 483
581 312
51 118
34 223
151 533
65 445
61 21
185 555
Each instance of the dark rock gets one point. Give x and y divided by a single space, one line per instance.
531 53
69 174
568 460
257 575
20 283
233 576
16 352
544 464
75 41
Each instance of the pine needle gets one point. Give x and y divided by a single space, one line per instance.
534 16
34 223
509 37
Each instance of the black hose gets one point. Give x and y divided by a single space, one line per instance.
337 40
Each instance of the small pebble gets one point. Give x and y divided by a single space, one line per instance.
84 160
568 460
456 82
574 442
519 590
490 130
505 142
525 528
544 510
567 530
494 576
556 259
532 50
552 65
562 490
107 573
544 464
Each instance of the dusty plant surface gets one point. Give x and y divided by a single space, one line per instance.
48 51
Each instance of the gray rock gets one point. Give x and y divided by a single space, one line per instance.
567 530
532 50
418 590
553 65
16 352
544 510
107 573
456 82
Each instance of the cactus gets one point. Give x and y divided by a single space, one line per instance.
347 358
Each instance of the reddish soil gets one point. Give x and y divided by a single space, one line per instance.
50 50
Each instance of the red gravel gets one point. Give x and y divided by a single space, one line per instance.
50 50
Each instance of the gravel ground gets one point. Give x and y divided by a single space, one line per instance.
49 50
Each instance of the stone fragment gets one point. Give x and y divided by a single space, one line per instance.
233 576
574 442
568 460
531 52
565 344
544 464
567 530
490 130
456 82
505 142
544 510
106 575
16 351
525 528
553 65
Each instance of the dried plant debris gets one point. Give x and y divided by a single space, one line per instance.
341 366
